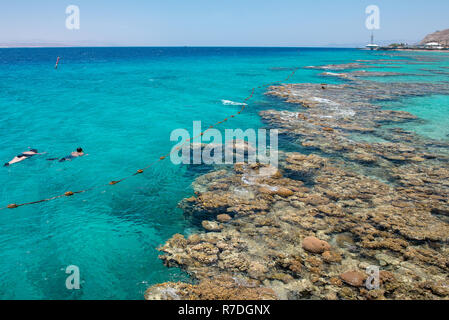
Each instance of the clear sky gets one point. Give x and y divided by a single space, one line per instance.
219 23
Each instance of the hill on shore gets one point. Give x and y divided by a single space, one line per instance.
441 37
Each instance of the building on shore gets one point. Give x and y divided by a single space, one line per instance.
436 40
434 45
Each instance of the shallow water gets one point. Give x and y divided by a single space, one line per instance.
433 111
120 105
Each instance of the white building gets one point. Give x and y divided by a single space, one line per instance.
372 46
434 45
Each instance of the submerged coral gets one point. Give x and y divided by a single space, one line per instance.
310 228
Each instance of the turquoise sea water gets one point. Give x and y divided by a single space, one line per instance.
433 112
120 105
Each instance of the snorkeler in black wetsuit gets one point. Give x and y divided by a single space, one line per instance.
23 156
75 154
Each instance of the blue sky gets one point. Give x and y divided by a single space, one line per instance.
215 23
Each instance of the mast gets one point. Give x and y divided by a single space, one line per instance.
371 45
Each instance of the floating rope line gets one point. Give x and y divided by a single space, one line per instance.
163 157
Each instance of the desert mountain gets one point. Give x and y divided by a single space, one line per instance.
442 37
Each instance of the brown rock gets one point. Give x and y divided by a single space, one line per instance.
284 192
221 288
315 245
354 278
194 239
224 217
266 190
211 225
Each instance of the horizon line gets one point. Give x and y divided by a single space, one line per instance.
172 46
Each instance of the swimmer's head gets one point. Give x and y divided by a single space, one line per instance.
79 150
33 150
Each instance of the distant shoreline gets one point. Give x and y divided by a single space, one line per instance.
286 47
179 46
416 50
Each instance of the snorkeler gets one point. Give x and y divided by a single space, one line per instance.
23 156
75 154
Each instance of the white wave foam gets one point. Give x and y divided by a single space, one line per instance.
232 103
332 74
339 113
326 101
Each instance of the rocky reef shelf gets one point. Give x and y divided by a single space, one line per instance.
310 228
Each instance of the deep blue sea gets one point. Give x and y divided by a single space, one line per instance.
120 105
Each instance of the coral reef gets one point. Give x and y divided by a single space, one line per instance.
310 228
222 288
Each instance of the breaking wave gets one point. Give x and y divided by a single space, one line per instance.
232 103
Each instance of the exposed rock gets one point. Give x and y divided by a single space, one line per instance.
315 245
224 217
354 278
211 225
223 288
284 192
379 194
